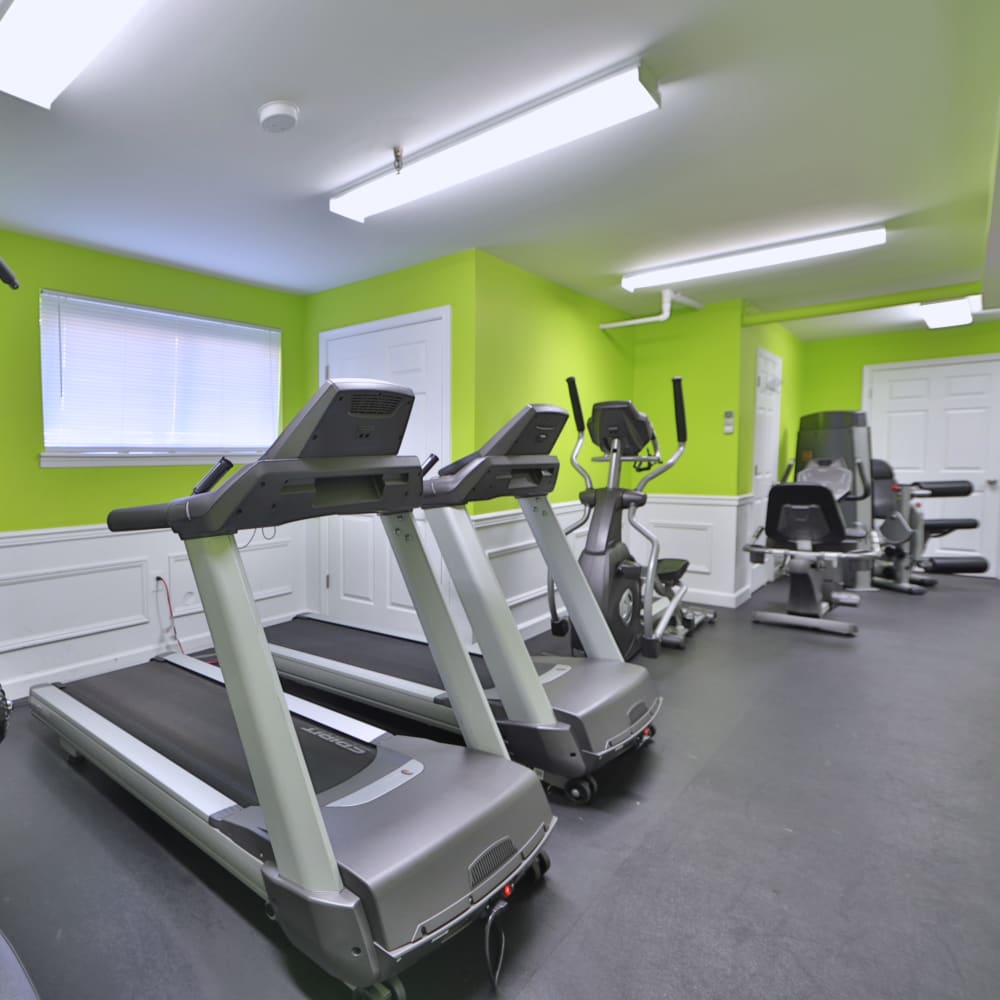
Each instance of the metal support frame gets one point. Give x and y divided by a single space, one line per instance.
476 721
584 611
479 590
302 850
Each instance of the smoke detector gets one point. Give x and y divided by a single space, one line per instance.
278 116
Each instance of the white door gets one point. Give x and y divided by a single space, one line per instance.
766 435
363 584
941 420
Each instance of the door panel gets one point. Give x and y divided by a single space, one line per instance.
940 421
365 586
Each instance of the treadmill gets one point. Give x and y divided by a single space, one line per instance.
565 716
15 983
427 836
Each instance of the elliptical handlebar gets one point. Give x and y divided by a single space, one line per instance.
681 418
574 398
581 430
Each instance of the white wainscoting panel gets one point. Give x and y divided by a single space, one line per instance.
78 601
514 556
709 532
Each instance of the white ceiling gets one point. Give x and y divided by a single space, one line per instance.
780 118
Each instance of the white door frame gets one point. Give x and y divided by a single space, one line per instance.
763 573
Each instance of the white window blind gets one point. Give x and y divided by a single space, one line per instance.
130 382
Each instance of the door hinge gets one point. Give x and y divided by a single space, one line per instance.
327 581
326 373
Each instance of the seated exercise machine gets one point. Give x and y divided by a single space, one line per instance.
841 440
625 588
905 531
806 532
427 836
565 716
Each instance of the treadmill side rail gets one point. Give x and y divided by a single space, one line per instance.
170 791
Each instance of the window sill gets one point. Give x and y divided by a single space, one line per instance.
81 459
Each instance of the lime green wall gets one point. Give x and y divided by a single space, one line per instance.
780 341
447 281
515 339
33 497
704 348
531 335
832 369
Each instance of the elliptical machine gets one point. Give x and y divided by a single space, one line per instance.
625 588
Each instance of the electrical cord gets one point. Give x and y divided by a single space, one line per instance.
170 609
495 956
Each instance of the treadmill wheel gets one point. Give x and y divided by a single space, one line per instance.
581 790
540 866
391 989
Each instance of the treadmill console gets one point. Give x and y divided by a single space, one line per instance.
515 462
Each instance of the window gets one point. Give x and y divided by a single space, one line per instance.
126 385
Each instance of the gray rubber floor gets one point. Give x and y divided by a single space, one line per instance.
819 817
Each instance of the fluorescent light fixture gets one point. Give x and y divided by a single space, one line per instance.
750 260
46 44
534 128
953 312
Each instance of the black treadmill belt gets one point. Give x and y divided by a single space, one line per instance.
385 654
187 718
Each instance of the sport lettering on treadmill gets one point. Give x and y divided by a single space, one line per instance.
341 741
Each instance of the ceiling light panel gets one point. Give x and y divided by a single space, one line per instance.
46 44
536 128
953 312
751 260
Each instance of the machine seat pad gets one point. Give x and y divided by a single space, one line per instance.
942 525
670 571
